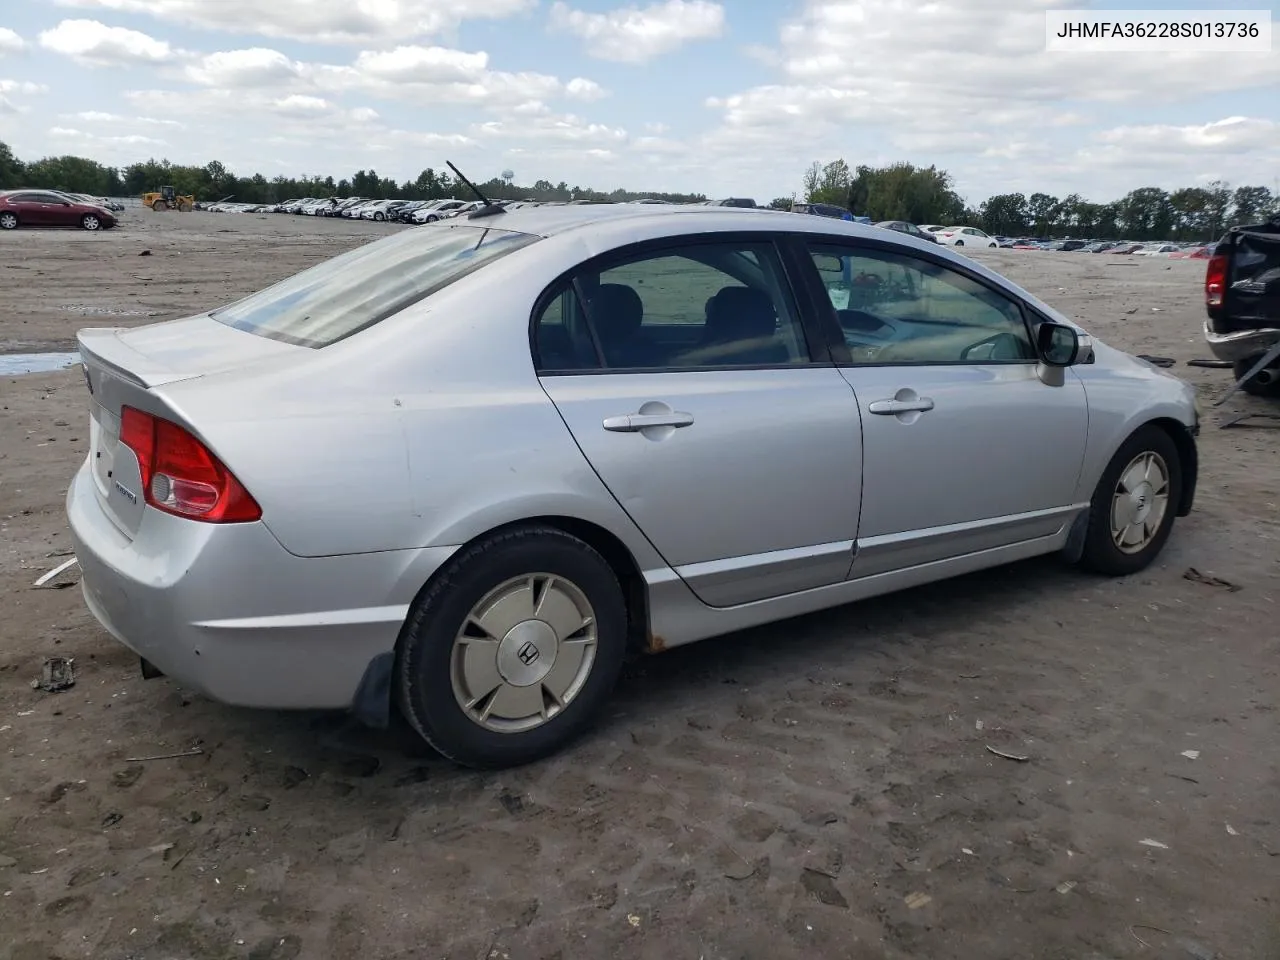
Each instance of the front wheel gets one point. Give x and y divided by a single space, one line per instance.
1266 383
514 650
8 221
1133 507
90 222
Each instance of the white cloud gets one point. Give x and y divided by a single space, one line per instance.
636 35
542 125
252 67
323 21
10 42
83 137
408 64
580 88
97 116
965 83
22 86
1231 135
95 44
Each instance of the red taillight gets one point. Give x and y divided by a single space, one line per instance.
1215 281
180 475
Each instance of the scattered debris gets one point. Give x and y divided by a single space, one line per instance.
1154 843
633 919
1238 421
1066 886
47 578
126 777
915 901
977 724
1232 831
145 253
165 756
1155 309
1209 580
160 848
1007 756
1191 754
1132 310
1157 361
112 818
1144 926
822 888
1211 364
966 850
292 776
56 674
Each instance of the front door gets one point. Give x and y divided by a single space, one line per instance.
689 385
964 447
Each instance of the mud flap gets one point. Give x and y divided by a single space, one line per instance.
372 703
1074 548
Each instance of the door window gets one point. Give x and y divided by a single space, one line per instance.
691 307
899 309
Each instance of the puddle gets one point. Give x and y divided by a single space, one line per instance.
14 364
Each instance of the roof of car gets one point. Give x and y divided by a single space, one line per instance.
550 220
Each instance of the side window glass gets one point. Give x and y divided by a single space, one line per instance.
895 308
561 340
707 305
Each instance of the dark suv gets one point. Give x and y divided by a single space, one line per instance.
1242 298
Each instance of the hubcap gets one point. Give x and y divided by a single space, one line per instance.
91 223
8 220
1140 502
524 653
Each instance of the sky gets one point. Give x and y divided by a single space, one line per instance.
728 98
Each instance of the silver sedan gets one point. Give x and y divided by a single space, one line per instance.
461 473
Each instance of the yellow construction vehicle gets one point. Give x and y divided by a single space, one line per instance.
167 199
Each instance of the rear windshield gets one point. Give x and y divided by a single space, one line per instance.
364 286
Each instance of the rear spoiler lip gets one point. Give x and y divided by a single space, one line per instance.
104 347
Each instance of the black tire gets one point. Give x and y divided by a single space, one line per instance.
425 650
1100 552
1253 387
959 243
8 220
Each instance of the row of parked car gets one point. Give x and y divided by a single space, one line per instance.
1173 251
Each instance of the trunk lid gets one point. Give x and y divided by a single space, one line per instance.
124 366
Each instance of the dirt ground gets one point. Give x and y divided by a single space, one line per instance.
818 788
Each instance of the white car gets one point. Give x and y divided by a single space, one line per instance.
964 237
1159 250
437 210
932 227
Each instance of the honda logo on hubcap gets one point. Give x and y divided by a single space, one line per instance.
527 653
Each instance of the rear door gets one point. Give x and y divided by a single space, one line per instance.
686 376
31 209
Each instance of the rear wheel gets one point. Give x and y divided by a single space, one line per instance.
8 220
514 650
959 243
1134 505
1265 384
159 206
91 222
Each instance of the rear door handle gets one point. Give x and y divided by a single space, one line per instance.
635 422
887 408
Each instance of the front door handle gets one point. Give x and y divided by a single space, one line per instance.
635 422
888 408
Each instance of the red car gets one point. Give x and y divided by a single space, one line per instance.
45 208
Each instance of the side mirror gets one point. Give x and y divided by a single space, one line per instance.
1059 345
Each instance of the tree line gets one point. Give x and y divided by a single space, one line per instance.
214 181
902 191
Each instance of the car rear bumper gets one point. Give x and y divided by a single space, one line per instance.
1242 344
225 610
